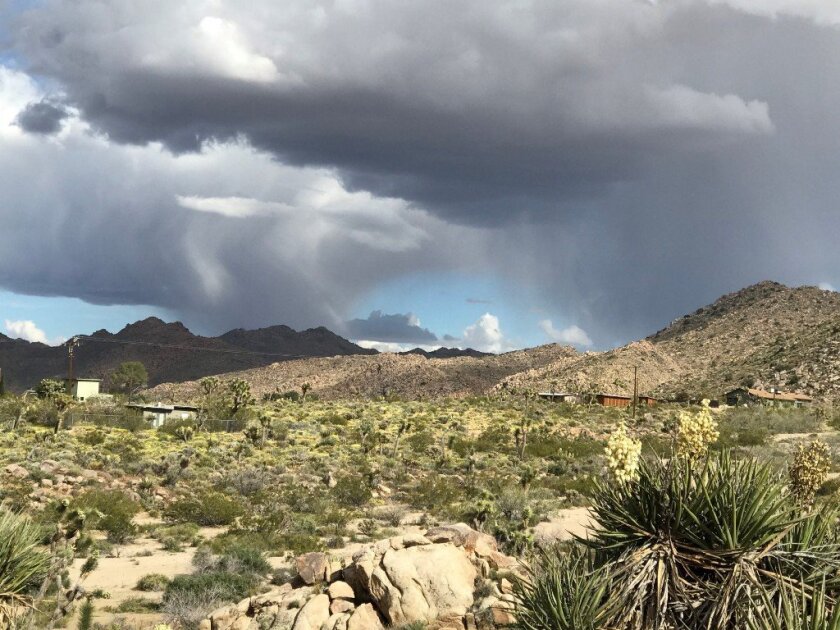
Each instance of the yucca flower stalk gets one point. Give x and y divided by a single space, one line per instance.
623 454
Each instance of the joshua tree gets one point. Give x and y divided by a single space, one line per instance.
239 395
403 426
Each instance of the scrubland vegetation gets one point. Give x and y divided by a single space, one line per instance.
704 518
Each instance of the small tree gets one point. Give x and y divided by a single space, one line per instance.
49 388
238 395
129 377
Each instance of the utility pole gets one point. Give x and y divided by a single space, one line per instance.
71 347
635 388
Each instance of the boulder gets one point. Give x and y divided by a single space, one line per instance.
364 618
313 614
313 567
341 606
17 471
423 583
340 590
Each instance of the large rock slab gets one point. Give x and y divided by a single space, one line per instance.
365 618
313 614
423 583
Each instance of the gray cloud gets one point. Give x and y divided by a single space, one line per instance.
394 328
42 117
481 112
614 163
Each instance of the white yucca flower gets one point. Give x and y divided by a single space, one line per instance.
623 454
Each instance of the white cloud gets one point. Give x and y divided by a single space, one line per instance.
485 335
826 286
574 335
681 106
386 346
26 329
820 11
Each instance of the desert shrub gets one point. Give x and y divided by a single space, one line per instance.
436 493
136 605
351 491
245 481
174 537
111 511
208 508
393 515
172 426
235 558
190 598
152 582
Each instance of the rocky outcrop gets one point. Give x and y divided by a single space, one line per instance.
451 578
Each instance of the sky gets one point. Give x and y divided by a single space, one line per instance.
485 174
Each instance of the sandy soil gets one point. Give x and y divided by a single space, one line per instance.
119 575
564 524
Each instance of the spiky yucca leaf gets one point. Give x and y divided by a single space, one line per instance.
563 591
23 563
802 609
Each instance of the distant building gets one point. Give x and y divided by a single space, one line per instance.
83 388
620 400
558 397
613 400
748 396
158 413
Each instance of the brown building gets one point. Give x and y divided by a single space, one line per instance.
613 400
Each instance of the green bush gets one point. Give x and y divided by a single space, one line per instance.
152 582
225 586
208 508
351 491
112 511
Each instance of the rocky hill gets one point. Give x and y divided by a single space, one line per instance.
767 335
169 351
409 376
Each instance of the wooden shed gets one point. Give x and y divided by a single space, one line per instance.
614 400
558 397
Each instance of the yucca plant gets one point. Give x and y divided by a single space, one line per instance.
23 563
694 543
563 590
797 609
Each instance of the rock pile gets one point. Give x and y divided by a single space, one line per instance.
451 578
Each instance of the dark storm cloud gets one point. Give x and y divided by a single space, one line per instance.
393 328
481 112
617 163
42 117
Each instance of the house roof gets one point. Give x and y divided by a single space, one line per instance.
151 407
84 380
614 396
765 395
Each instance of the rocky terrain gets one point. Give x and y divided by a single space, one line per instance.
431 579
767 335
409 376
